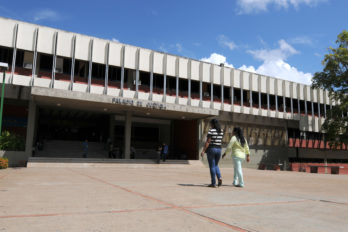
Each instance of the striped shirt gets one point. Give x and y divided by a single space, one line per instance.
216 137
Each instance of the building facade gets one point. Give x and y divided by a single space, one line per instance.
63 88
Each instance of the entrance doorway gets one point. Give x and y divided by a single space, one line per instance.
62 132
185 138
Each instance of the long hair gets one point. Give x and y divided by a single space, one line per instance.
239 134
216 125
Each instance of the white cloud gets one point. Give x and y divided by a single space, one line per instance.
256 6
248 68
283 52
275 65
115 40
301 40
318 55
45 14
225 42
217 59
179 47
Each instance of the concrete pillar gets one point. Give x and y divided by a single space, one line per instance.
127 134
30 128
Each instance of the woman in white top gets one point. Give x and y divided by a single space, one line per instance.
238 147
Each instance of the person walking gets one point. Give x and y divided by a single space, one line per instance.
158 152
239 148
213 148
85 148
164 151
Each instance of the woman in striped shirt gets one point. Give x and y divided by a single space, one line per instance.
213 148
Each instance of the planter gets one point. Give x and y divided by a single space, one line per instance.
3 163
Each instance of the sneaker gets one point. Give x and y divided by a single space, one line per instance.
220 182
239 186
212 186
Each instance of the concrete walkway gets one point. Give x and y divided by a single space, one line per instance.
169 199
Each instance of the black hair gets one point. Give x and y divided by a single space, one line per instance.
215 124
239 134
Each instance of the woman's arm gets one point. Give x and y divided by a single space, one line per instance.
229 146
206 145
247 152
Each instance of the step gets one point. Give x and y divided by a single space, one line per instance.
95 162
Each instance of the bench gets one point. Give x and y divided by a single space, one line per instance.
334 169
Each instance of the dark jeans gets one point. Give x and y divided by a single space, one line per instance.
163 156
214 155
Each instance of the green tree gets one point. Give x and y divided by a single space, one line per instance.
334 79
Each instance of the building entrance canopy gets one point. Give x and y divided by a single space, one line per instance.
116 104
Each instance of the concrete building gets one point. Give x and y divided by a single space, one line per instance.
63 88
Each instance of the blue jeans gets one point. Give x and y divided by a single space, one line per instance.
238 173
214 155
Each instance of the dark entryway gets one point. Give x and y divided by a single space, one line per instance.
185 138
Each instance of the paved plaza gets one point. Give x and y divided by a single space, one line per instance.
169 198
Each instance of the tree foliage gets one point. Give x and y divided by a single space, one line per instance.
334 79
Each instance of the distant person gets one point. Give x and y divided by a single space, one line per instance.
239 148
164 152
158 152
213 148
120 150
132 152
85 148
112 153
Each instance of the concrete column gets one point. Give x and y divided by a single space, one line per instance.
127 134
30 128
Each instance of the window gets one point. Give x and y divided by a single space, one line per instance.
280 103
322 111
206 88
144 81
272 102
45 65
217 93
227 94
236 96
255 98
24 66
171 85
246 98
158 83
129 79
295 105
6 56
309 108
114 77
63 68
194 89
98 74
264 101
183 87
315 109
81 71
302 107
288 104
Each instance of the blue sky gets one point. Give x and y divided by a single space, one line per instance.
282 38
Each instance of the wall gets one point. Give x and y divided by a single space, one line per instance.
15 158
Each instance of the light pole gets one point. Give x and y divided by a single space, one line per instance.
3 68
